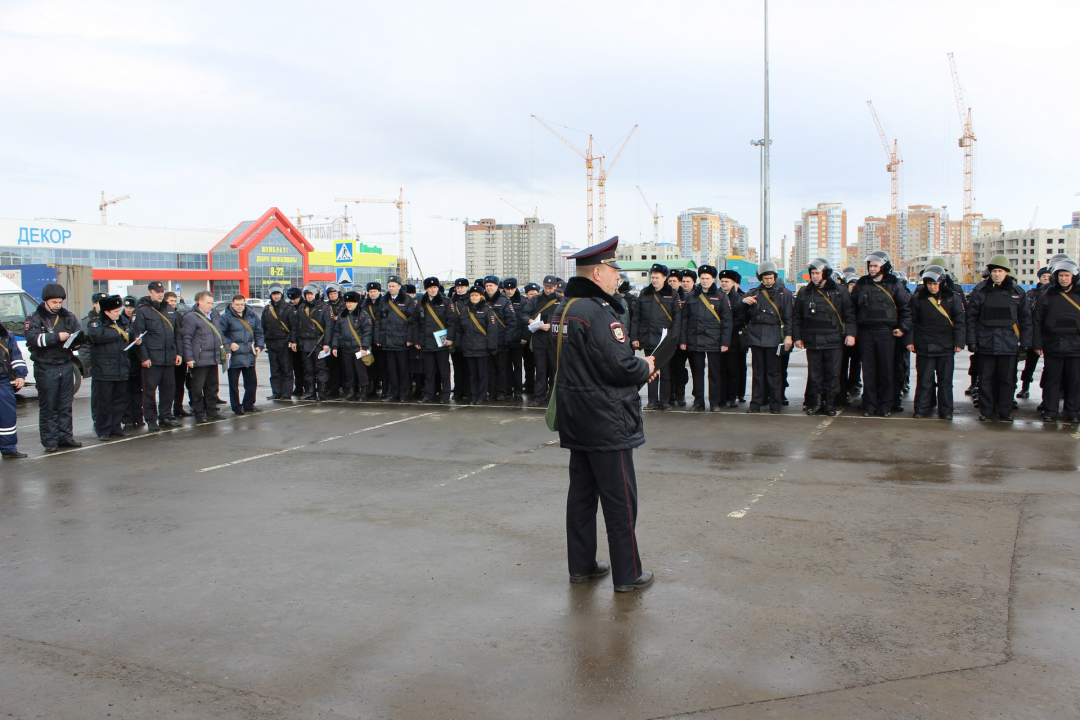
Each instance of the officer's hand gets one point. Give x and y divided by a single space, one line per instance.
523 342
898 332
787 343
749 300
652 365
451 342
850 341
292 346
1040 352
326 348
799 344
19 382
723 348
545 327
179 360
911 348
335 353
960 349
63 335
635 344
682 346
191 363
234 347
138 341
145 363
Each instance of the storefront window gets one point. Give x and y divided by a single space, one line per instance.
274 260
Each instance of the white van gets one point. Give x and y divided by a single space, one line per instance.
15 307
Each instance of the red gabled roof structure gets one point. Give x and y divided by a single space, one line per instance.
248 234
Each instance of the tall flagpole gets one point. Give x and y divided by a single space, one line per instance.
766 245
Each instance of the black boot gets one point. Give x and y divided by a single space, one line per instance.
1024 390
829 406
813 403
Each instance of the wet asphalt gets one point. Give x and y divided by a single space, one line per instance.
342 560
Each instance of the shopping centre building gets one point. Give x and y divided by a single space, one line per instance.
246 260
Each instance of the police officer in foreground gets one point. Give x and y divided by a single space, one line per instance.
277 323
537 322
1032 359
12 377
49 333
768 330
599 419
823 324
883 314
1057 340
938 332
159 353
86 352
295 296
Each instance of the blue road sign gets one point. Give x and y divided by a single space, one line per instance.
344 276
343 253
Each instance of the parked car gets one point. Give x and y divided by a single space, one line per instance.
15 306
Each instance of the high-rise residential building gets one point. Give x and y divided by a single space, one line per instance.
1075 220
525 251
665 253
705 236
822 232
922 230
974 226
1027 250
564 266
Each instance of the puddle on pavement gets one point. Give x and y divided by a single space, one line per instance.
912 473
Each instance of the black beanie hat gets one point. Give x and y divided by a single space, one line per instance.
53 290
110 302
353 296
432 282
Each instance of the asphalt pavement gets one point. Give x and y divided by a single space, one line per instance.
344 560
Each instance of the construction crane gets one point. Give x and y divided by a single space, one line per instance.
655 216
967 143
524 213
401 202
894 162
587 155
106 203
300 218
601 184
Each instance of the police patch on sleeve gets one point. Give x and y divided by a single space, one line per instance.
617 332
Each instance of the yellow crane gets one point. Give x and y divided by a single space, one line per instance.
967 143
601 184
300 218
106 203
587 155
655 215
524 213
894 161
401 202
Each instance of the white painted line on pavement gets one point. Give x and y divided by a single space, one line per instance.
755 499
300 447
469 474
822 425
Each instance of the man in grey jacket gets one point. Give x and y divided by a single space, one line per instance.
203 349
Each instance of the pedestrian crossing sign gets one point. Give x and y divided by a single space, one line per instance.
344 276
343 253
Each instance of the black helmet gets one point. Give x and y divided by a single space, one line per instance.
933 273
765 268
850 270
821 264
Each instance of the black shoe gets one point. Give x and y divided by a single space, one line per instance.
120 433
308 396
1074 417
427 399
600 570
104 438
1016 405
898 408
984 418
321 397
698 408
253 408
200 419
886 413
945 416
69 444
181 413
784 400
1005 417
274 397
742 399
14 455
1050 417
714 408
663 406
733 403
971 390
152 427
867 413
52 449
170 422
813 404
215 415
680 403
774 410
754 409
917 415
651 406
642 582
1024 391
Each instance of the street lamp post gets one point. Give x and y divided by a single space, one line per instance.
766 142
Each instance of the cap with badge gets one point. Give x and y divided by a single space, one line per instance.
550 281
689 274
432 282
156 286
707 270
493 279
730 275
353 296
111 302
599 254
461 282
394 279
129 301
98 297
510 283
532 286
659 268
293 293
675 273
410 289
374 285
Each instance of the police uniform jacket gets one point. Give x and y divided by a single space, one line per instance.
629 301
476 330
12 363
277 321
247 337
111 361
360 321
200 342
656 311
819 324
543 305
128 324
766 326
599 378
504 318
161 323
1057 322
517 301
885 304
425 325
392 325
41 333
86 352
702 331
312 325
998 319
932 333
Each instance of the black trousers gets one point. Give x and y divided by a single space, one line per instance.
1030 361
204 388
1061 376
181 381
397 365
902 369
478 378
545 371
850 368
823 371
461 375
734 370
997 383
785 360
497 373
298 372
529 365
679 375
716 382
513 369
112 403
251 384
333 375
158 381
437 374
356 375
315 372
931 373
768 383
93 402
377 373
133 414
878 361
281 367
56 391
608 477
660 387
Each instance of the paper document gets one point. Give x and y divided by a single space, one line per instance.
440 336
132 344
535 324
71 338
323 353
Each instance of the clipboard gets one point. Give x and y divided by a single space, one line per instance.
665 350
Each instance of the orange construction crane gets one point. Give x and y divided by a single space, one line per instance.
300 218
587 155
601 183
524 213
106 203
967 142
401 202
655 216
894 162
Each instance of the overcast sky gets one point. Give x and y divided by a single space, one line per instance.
208 113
